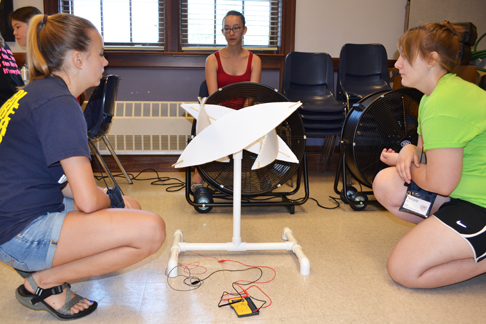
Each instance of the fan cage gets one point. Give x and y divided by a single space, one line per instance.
386 119
260 181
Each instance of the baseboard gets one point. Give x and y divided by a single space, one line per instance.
163 163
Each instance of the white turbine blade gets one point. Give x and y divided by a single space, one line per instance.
202 101
224 159
215 112
284 151
192 109
234 131
268 152
203 120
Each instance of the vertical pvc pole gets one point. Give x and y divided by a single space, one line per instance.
237 157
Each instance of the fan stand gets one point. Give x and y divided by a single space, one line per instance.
236 244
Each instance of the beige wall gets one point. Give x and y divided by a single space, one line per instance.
326 25
453 10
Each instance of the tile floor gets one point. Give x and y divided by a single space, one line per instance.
348 281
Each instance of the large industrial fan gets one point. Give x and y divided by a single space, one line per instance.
385 119
267 181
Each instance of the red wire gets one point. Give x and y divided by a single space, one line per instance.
244 292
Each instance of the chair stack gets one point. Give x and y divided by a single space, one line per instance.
309 78
363 70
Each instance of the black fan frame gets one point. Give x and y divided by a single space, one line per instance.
373 124
265 180
385 119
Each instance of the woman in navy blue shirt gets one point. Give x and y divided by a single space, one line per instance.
55 223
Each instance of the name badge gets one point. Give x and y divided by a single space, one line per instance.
418 201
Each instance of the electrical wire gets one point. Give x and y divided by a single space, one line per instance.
333 198
174 186
179 185
194 282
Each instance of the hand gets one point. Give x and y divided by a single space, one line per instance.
389 157
116 197
407 157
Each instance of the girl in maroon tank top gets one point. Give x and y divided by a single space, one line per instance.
230 65
233 63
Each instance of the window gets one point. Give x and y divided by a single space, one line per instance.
201 23
123 23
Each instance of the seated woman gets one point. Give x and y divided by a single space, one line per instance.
449 246
231 64
54 221
19 20
10 78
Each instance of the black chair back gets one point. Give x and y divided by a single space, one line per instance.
203 90
308 77
100 109
363 69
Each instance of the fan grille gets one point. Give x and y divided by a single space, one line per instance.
255 182
383 120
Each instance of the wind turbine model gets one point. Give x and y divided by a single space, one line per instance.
222 132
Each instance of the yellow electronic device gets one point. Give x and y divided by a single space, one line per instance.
243 307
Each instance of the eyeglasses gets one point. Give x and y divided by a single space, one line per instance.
227 30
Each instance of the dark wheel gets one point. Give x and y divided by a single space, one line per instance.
349 194
203 210
359 201
203 196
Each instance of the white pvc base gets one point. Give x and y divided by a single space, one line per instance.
179 246
236 245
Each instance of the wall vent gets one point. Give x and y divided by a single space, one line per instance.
143 127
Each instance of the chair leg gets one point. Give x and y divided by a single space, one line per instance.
333 145
108 145
328 141
97 154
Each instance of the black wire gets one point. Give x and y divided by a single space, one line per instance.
333 198
174 186
194 282
178 185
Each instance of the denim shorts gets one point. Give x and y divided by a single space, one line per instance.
33 249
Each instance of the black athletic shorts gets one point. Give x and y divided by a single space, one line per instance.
469 221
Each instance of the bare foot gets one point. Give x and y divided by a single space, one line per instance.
57 301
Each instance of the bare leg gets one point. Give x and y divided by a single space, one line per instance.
98 243
432 255
389 190
197 177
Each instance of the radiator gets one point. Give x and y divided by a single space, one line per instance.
143 127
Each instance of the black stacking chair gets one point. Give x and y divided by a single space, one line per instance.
309 78
363 69
203 90
99 113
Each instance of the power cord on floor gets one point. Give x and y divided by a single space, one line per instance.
179 185
174 186
324 207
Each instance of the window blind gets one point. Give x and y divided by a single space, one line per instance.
201 23
123 23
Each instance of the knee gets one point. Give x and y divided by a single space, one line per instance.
154 233
401 272
386 189
380 185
